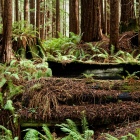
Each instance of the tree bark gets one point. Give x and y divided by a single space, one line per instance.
7 32
42 19
114 23
139 28
38 18
16 10
74 16
127 10
57 18
32 12
97 36
91 20
53 18
105 13
102 15
26 14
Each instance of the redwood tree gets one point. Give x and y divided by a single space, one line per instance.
32 12
127 10
57 17
114 23
91 20
26 9
7 32
74 16
97 21
139 28
16 10
38 17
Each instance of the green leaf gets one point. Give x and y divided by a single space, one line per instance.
109 137
2 82
9 106
31 134
8 133
88 134
13 62
1 99
15 75
47 132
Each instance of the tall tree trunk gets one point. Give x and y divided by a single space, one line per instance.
64 17
87 20
26 14
38 17
102 15
97 21
139 28
32 12
108 18
53 18
127 10
16 10
91 20
7 32
105 13
74 16
42 11
57 18
114 23
48 28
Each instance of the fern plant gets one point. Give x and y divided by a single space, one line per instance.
131 76
7 135
126 137
124 57
33 134
20 31
62 48
73 133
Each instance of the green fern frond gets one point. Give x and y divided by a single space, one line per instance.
72 126
112 50
2 82
47 132
132 136
138 133
84 122
9 106
109 137
1 99
14 89
88 134
31 134
8 133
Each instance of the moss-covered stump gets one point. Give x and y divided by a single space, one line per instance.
56 99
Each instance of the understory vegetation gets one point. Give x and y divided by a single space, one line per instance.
62 49
67 49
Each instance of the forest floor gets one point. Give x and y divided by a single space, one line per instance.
110 106
107 107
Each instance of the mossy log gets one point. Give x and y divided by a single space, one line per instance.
95 114
49 99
